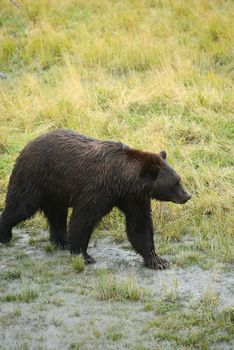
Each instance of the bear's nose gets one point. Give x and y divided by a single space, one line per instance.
189 196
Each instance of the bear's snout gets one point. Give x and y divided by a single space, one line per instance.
188 197
185 198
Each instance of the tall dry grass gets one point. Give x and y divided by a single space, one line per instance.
153 74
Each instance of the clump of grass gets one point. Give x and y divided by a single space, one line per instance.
209 299
37 239
188 258
49 248
57 301
10 317
96 333
114 333
109 286
76 313
219 247
27 294
171 290
57 322
149 305
77 263
11 274
78 346
164 305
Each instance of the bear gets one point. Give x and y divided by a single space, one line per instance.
63 169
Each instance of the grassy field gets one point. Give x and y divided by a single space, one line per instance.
154 74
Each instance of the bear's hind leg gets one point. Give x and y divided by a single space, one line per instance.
15 212
57 218
5 231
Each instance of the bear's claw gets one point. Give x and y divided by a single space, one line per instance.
155 262
88 259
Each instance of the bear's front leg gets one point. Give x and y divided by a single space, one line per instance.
81 226
140 232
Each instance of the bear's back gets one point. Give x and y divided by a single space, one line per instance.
68 144
64 157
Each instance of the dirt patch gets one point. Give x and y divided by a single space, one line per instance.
46 305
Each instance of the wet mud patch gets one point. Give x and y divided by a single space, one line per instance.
46 304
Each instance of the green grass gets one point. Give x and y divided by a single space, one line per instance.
171 290
155 75
108 286
199 326
114 333
49 248
11 274
124 307
77 263
11 316
26 294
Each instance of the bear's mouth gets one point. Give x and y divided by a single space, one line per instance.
182 200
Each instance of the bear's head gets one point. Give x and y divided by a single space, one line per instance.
163 182
168 186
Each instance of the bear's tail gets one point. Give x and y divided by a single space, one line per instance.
5 231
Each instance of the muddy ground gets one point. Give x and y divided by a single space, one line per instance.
45 304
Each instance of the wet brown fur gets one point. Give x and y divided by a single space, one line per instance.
64 169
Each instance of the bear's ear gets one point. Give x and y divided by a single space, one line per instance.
163 154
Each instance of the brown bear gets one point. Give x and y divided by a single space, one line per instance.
64 169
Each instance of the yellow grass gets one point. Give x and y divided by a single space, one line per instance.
153 74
